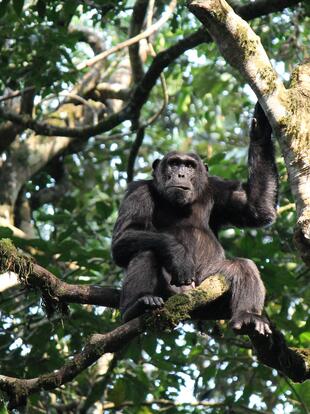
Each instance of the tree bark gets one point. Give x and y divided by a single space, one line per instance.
207 301
288 110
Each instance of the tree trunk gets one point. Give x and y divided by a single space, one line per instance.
286 109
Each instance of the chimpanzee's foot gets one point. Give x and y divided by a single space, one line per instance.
246 322
147 302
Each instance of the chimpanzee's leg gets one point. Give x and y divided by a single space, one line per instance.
247 295
141 286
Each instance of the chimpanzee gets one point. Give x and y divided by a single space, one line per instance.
166 232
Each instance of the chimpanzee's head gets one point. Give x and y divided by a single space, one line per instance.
180 178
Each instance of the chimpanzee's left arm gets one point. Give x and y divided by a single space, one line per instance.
252 204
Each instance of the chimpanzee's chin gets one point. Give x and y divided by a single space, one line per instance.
179 197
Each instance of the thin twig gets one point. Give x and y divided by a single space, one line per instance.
166 16
16 94
282 209
133 153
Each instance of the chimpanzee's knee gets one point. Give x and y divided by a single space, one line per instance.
247 288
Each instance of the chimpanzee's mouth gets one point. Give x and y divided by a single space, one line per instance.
180 187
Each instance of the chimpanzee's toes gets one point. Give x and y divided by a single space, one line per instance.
150 302
247 322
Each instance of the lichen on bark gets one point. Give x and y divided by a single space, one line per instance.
13 261
179 307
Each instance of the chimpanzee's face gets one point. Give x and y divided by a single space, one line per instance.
180 178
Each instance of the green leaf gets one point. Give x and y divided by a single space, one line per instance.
305 339
3 409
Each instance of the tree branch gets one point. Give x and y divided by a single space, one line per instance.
139 97
242 48
64 292
105 90
19 389
136 24
166 16
43 128
272 351
134 153
141 93
89 36
54 290
237 408
287 110
260 8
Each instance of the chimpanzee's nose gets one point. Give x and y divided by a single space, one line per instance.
180 175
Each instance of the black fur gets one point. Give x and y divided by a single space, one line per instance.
166 232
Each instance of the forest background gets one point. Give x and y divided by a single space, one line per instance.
81 116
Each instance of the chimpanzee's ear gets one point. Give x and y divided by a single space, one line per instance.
207 167
155 164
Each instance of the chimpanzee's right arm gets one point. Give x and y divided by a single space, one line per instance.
134 233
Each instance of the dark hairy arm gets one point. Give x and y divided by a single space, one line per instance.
252 204
134 233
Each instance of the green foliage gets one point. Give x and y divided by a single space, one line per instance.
209 111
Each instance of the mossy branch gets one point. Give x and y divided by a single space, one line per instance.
287 109
202 302
55 292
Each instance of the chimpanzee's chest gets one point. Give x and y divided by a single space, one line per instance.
187 225
190 227
167 217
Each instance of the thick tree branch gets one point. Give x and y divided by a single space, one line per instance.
141 93
287 110
272 350
136 24
242 48
89 36
43 128
53 289
19 389
69 293
295 144
104 91
260 8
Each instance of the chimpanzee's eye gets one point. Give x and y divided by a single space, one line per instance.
174 163
190 164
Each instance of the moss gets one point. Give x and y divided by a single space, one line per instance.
296 123
305 354
268 75
299 72
214 286
176 309
300 369
12 260
220 14
179 307
217 11
248 45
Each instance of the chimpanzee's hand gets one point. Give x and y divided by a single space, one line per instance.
260 127
181 267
